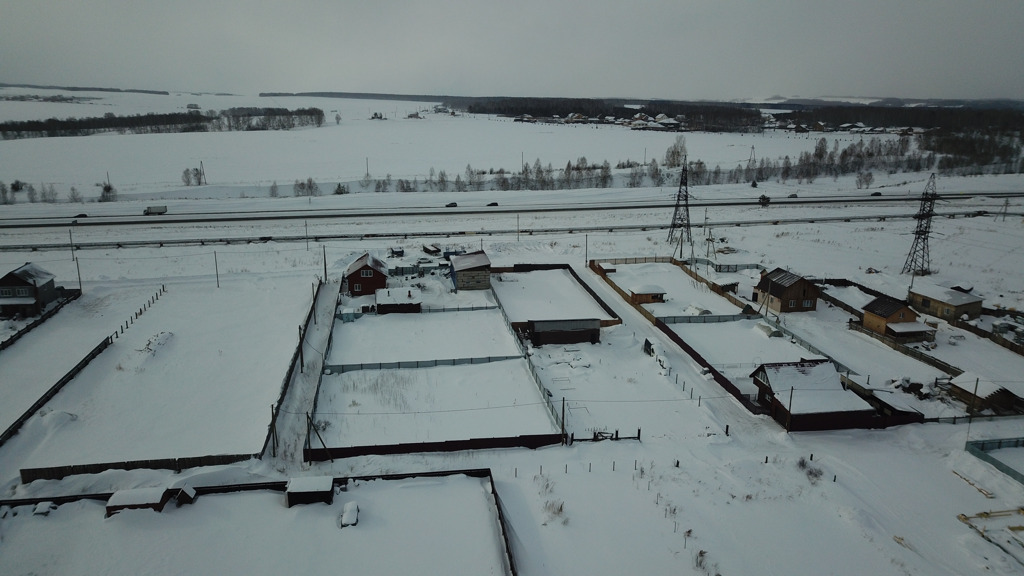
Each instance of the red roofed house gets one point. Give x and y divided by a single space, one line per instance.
365 276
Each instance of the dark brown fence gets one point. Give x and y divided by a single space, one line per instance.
72 295
177 464
526 441
286 382
907 350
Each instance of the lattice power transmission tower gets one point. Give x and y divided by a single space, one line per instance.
681 216
918 260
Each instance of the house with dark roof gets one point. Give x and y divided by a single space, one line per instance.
26 291
365 275
809 395
894 318
783 291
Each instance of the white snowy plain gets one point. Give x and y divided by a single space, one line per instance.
686 498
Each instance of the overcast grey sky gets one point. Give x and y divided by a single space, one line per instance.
678 49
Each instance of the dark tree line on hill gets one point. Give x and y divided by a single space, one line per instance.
951 119
231 119
701 116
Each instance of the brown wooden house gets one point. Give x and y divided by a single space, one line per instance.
784 291
943 302
26 291
365 275
646 294
894 318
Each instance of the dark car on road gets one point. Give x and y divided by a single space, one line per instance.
452 205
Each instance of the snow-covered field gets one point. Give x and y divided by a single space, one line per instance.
686 499
437 404
544 295
413 516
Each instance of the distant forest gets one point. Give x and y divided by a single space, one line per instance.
231 119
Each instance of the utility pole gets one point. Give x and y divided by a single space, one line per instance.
918 260
681 215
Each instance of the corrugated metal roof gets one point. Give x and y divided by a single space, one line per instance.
774 281
884 306
470 261
943 294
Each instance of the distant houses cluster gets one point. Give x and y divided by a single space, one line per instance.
639 121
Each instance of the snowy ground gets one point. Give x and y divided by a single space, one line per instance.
268 538
754 501
544 295
684 296
422 337
438 404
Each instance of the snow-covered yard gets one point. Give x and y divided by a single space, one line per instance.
387 338
413 518
684 296
192 376
544 295
438 404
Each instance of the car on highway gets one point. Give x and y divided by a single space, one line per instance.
82 215
452 205
493 204
876 193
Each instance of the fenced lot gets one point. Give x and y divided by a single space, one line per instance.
414 337
440 525
193 375
438 404
544 295
683 295
39 359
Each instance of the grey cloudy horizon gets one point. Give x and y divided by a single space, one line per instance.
685 50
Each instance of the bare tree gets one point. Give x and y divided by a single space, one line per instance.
186 177
74 196
48 193
30 191
4 199
675 153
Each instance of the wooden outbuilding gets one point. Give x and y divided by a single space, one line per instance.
894 318
646 294
471 271
26 290
365 275
543 332
809 395
783 291
140 499
309 489
399 301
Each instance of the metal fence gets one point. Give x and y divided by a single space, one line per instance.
707 318
408 364
981 449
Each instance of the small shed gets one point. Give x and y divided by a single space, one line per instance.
399 301
894 318
944 302
309 489
140 499
365 275
543 332
471 271
26 290
982 394
646 294
784 291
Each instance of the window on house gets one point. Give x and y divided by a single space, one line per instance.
6 292
808 303
357 287
22 292
792 303
366 273
946 311
901 316
926 303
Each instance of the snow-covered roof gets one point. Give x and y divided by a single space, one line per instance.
33 274
909 327
137 496
310 484
367 259
986 387
470 261
399 296
816 387
943 294
647 289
